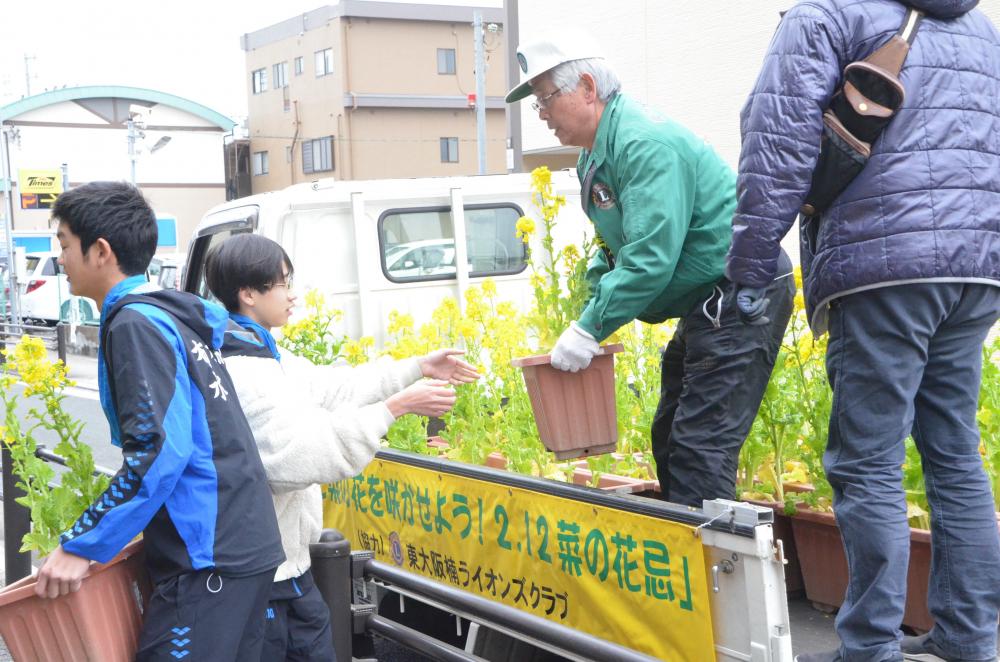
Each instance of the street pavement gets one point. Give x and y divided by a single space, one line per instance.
811 630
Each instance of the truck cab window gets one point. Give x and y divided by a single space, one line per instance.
419 244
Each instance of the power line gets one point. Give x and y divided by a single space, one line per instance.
384 140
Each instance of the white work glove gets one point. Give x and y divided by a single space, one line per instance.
575 349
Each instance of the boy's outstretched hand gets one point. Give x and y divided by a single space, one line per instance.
61 574
424 398
445 365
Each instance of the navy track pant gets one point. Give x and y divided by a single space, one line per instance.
201 615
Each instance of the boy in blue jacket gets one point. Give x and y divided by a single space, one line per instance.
192 481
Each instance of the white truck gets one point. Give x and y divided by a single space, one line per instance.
377 246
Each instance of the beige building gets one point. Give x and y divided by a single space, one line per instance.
365 90
83 132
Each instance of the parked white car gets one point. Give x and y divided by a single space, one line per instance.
166 270
45 296
430 257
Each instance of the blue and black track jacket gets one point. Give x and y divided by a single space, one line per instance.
192 481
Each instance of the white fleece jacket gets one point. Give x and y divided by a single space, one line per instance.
313 425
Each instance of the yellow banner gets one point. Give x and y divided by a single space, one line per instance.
632 579
39 181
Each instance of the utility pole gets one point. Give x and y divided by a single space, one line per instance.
8 226
27 74
131 145
477 24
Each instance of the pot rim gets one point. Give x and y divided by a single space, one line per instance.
545 359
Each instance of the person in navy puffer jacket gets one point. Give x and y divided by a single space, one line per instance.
903 270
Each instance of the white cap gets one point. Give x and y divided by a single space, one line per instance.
537 57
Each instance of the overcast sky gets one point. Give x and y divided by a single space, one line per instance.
184 47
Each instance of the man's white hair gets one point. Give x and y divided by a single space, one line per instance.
566 76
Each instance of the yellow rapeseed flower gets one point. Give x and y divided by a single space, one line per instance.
795 471
29 350
429 335
571 254
399 323
467 329
506 310
315 299
661 334
356 352
31 363
800 302
447 313
541 177
476 307
525 227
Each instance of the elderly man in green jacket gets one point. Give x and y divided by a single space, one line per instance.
661 201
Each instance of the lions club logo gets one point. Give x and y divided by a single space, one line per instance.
602 196
396 548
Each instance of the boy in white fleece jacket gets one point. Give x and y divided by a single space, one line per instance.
313 424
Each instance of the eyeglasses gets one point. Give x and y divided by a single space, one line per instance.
542 103
287 284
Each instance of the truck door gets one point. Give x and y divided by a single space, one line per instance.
229 222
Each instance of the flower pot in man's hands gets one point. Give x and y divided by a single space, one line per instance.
574 411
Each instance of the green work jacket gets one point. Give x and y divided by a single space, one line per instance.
662 203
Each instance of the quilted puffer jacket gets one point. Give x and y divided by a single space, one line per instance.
926 207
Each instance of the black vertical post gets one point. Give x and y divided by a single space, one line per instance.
62 340
331 569
16 523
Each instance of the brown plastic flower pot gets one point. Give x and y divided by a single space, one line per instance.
496 460
438 443
824 566
612 482
101 621
574 411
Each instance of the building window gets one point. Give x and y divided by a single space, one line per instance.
260 166
317 155
299 66
419 244
449 150
259 81
446 60
280 75
324 62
